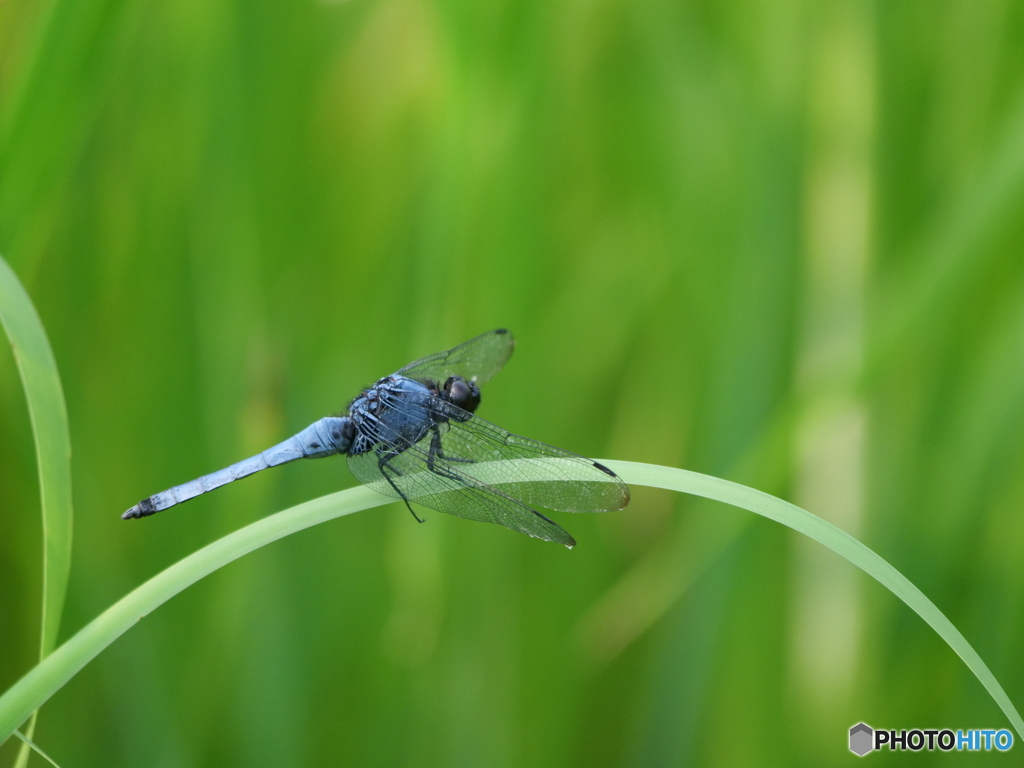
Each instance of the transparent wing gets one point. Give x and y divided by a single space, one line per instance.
524 469
470 468
478 359
528 470
448 490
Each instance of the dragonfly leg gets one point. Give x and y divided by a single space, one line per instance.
384 466
436 450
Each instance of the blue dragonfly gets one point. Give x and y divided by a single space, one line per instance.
415 435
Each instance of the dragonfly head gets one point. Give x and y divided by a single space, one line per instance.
461 393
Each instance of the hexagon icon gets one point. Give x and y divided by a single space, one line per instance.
861 739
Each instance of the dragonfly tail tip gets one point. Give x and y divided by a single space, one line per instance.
143 509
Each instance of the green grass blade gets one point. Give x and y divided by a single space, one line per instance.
832 537
44 680
48 413
32 745
40 683
46 408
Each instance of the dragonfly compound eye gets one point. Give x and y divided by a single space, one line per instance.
464 394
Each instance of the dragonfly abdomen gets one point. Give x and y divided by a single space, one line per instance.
325 437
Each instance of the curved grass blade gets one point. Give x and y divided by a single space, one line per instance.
834 538
41 682
48 413
46 678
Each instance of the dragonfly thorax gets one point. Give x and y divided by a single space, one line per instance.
400 411
394 410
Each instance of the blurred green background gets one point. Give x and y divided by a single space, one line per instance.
778 242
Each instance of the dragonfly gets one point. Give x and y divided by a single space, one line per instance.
415 436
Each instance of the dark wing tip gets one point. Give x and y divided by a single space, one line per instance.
506 332
624 501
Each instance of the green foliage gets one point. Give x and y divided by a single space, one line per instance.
35 688
43 681
35 748
775 243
